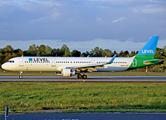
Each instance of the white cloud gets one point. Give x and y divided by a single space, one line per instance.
153 10
45 18
150 9
123 2
98 19
120 19
32 5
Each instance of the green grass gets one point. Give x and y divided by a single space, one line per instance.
125 73
85 97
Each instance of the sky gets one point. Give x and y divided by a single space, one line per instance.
82 24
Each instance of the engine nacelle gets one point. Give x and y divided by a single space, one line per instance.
68 72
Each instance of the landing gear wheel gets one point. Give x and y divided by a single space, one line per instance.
79 76
20 74
84 77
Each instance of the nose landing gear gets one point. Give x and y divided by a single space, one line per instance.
20 77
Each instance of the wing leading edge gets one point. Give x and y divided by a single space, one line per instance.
90 67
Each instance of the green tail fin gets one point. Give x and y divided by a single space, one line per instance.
145 56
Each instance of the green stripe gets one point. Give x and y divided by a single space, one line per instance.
139 59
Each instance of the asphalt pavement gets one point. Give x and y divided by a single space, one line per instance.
87 116
90 79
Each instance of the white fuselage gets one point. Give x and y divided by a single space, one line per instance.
58 63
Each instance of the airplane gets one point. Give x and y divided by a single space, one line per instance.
71 66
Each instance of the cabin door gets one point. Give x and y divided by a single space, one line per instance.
53 63
21 62
92 61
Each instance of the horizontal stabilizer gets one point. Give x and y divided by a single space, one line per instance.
152 61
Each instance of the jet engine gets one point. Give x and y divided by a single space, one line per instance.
68 72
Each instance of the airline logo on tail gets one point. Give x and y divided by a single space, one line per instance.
150 47
147 51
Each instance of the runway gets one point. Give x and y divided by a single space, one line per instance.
87 116
90 79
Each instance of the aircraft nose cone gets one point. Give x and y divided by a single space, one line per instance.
4 66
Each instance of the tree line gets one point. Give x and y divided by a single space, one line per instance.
34 50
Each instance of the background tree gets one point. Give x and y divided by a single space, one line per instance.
106 52
131 54
18 52
96 52
85 54
55 52
63 49
8 49
114 53
76 53
2 57
32 51
121 54
32 47
7 56
125 53
158 53
67 53
48 50
41 50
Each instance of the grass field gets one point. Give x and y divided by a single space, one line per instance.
83 97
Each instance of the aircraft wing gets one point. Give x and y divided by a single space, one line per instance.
90 67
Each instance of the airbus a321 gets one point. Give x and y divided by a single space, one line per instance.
70 66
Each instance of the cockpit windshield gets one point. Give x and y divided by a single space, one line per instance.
10 61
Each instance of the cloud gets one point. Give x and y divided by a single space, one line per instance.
124 2
120 19
81 20
98 19
153 10
150 9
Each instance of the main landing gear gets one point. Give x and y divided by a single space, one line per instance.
20 74
79 76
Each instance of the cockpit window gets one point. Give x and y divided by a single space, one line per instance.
11 61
